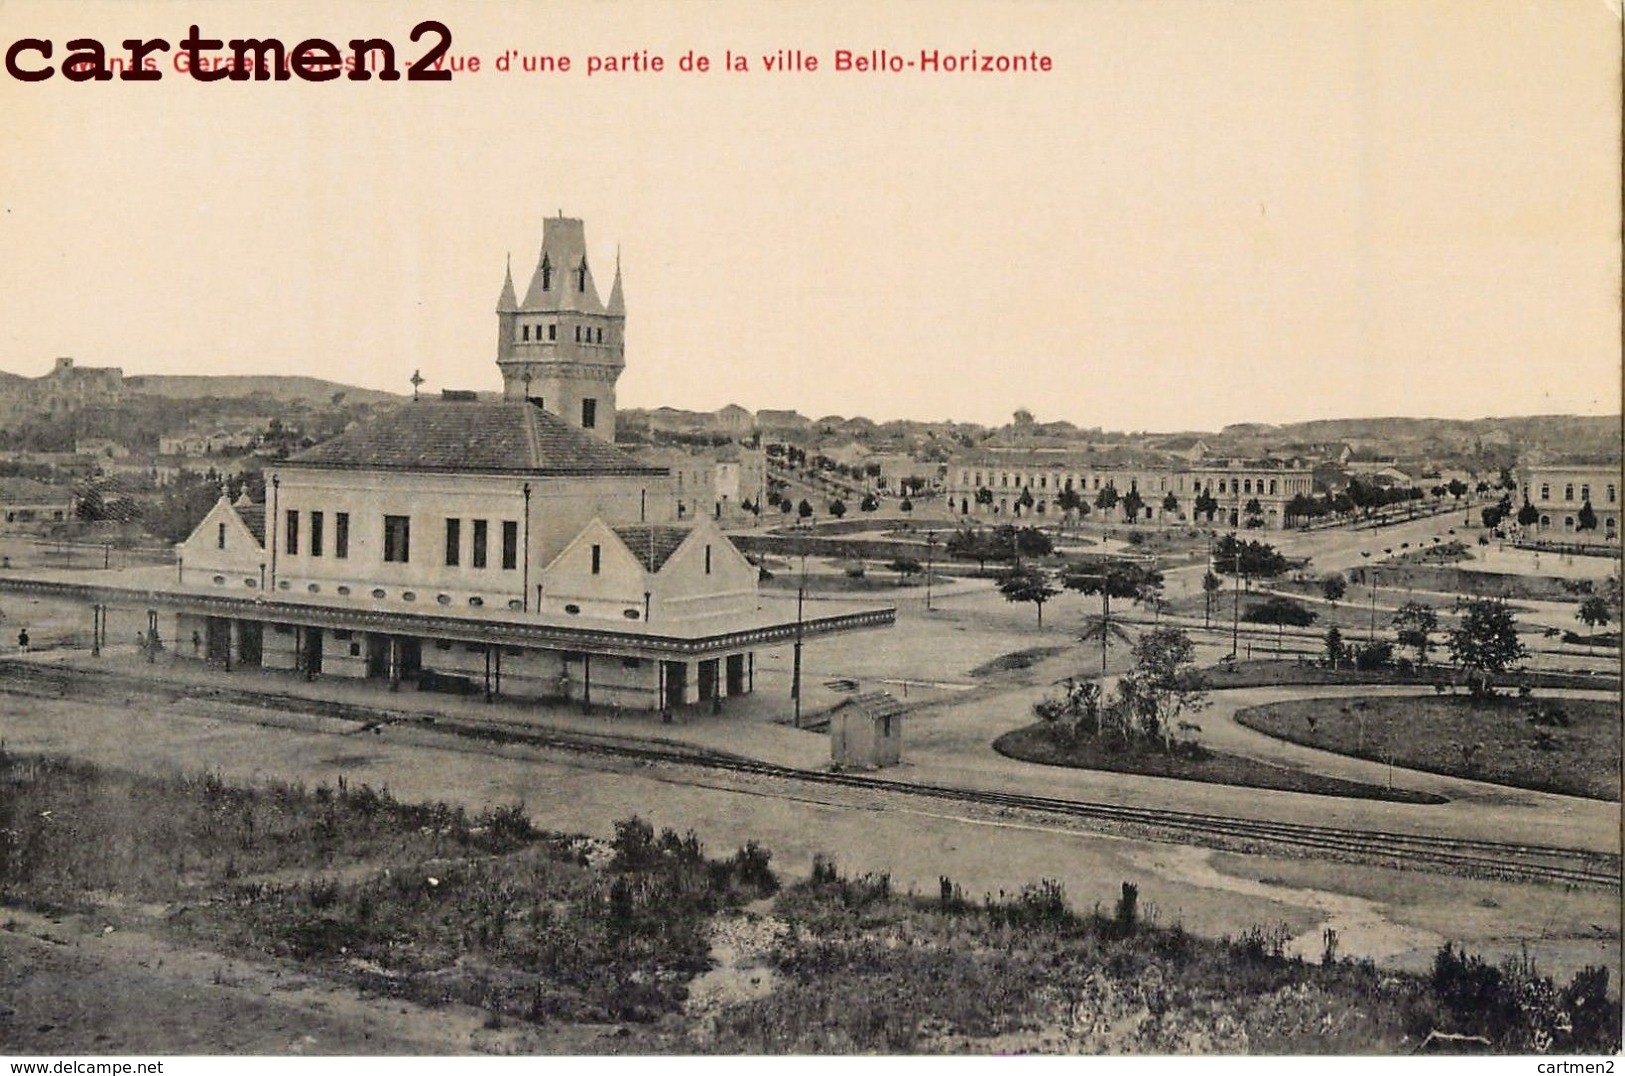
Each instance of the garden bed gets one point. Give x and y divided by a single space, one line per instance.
1492 740
1226 675
1037 743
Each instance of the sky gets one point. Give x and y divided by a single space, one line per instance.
1203 214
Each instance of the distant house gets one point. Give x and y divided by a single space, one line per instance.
24 501
1186 448
100 447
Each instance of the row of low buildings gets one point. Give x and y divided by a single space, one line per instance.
1034 484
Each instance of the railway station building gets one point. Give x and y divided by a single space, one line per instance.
503 546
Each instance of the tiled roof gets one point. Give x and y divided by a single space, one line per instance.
253 517
875 704
653 544
28 491
472 437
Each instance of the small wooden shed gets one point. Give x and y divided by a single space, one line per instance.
866 731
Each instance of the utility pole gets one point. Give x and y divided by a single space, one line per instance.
930 548
1235 601
795 675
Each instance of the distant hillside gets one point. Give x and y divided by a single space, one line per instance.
305 390
1596 434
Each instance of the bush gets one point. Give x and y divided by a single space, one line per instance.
1374 655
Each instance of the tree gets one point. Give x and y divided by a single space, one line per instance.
1280 611
1112 578
1253 560
869 503
1456 488
1255 513
1528 515
1106 499
837 508
1027 541
984 495
1206 505
1211 585
1336 651
1028 584
1587 518
906 505
1133 504
1485 643
1333 587
1069 502
1170 504
804 509
975 544
1414 624
1594 613
1163 685
784 505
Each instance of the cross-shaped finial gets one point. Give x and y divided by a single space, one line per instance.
417 379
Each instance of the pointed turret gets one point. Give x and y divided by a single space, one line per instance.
508 302
617 301
560 347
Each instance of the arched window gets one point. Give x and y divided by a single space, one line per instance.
547 274
1568 492
581 276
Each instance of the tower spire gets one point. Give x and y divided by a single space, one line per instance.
508 302
617 301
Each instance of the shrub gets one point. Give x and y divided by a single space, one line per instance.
1374 655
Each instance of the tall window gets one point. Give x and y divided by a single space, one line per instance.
597 559
707 560
476 554
1610 493
292 532
547 274
581 276
553 331
397 539
589 413
316 534
454 541
510 544
1568 492
341 535
1545 491
220 537
1585 493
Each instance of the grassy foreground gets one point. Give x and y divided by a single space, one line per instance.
1569 746
428 904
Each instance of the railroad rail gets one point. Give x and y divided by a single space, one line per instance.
1471 857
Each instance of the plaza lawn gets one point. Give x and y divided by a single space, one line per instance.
1037 743
1501 740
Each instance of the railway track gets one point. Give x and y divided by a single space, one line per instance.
1475 858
